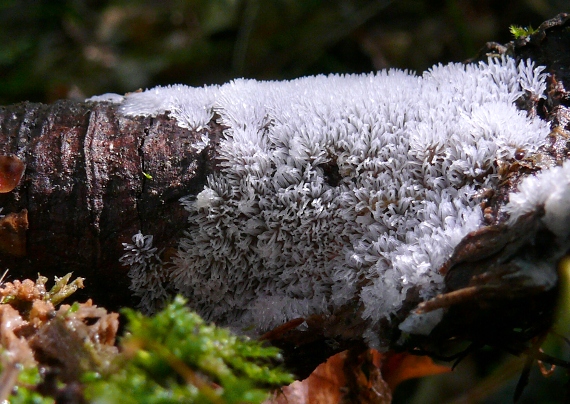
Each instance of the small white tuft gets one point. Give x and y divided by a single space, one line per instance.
147 279
421 324
107 97
205 199
549 189
191 107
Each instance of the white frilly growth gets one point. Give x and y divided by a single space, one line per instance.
107 97
147 279
341 189
549 189
192 107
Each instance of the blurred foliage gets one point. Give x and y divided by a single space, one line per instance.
491 375
76 48
24 391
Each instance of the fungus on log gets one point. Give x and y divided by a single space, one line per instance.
345 201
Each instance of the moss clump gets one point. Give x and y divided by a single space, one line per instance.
175 357
69 354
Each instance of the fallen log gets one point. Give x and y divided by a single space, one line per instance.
98 173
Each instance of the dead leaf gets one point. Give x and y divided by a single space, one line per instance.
357 376
398 367
345 377
323 386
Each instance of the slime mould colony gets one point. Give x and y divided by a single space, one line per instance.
342 191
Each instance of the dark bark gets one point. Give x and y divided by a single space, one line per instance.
85 191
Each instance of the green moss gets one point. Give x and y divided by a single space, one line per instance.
23 390
172 357
175 357
62 288
521 32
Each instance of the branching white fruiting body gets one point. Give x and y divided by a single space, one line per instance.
146 274
341 188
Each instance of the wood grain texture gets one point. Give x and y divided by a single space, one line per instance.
85 190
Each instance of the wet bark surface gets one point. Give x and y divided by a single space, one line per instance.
86 192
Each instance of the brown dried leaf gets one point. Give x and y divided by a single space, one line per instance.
73 339
357 376
77 341
25 290
403 366
349 376
10 323
323 386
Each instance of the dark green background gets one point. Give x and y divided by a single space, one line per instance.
74 49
